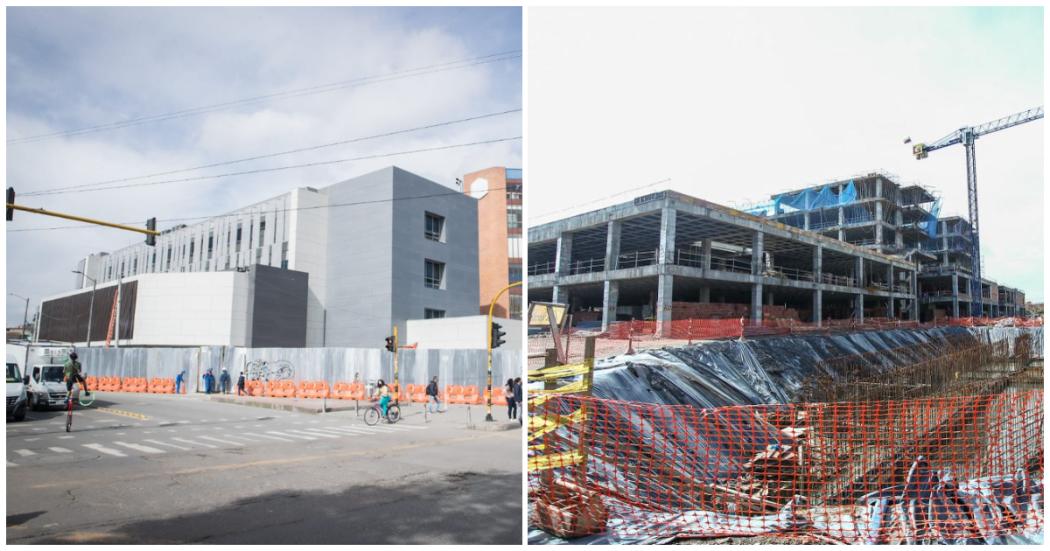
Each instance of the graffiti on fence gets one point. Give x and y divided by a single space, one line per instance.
262 370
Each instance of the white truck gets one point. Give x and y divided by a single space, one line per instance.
16 390
46 388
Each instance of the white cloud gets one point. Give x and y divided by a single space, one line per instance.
72 68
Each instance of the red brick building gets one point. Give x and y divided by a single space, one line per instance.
499 194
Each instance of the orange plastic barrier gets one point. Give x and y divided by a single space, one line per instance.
949 469
419 395
471 395
158 385
343 391
134 384
280 389
255 387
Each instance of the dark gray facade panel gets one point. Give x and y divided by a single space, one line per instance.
278 307
66 319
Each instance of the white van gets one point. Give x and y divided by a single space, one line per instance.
46 388
16 390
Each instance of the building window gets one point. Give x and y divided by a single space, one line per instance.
284 255
262 231
435 227
514 273
238 245
430 313
434 274
211 243
513 218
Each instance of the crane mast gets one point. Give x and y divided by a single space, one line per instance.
967 136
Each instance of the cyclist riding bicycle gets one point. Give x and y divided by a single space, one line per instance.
384 396
71 374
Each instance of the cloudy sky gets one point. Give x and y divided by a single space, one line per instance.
70 69
736 104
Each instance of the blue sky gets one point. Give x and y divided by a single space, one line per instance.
69 68
736 104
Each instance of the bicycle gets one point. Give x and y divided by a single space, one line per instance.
85 401
393 413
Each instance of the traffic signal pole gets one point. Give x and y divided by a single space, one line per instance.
492 306
150 230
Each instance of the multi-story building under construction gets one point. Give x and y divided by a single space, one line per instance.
846 250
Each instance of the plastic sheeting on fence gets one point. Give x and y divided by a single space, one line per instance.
935 470
452 367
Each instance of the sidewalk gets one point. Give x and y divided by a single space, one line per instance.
472 415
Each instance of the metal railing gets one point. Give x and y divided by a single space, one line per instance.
542 268
637 258
587 266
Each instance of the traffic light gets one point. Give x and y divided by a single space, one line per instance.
10 201
151 225
391 345
497 336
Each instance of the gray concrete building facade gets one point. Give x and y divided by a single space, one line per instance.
380 249
635 259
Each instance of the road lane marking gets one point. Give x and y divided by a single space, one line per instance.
32 439
271 437
238 465
64 437
344 432
102 449
242 437
222 441
312 432
138 447
159 443
195 443
123 413
60 450
11 464
292 435
25 453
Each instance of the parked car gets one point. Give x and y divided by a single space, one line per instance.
16 390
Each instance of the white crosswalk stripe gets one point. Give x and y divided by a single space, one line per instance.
194 443
159 443
60 450
270 437
139 447
221 441
242 437
348 431
25 453
12 464
103 449
292 435
315 432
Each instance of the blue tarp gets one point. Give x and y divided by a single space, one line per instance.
931 222
809 199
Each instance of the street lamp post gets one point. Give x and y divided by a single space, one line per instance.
91 309
25 316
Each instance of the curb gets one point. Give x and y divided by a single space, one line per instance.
300 408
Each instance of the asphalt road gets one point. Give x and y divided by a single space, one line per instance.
180 469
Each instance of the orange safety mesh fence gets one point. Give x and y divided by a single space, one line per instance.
958 469
707 329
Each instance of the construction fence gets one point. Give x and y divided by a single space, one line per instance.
959 469
462 368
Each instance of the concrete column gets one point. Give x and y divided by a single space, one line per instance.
706 251
878 222
899 236
915 295
756 270
610 297
563 255
955 295
889 281
805 220
818 306
668 221
612 244
859 299
818 293
842 218
560 295
705 294
769 298
664 292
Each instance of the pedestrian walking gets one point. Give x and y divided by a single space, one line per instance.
518 396
178 381
224 381
432 395
240 384
512 404
208 380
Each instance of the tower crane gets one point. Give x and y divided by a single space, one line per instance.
967 136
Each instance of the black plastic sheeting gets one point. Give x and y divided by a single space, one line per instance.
750 372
